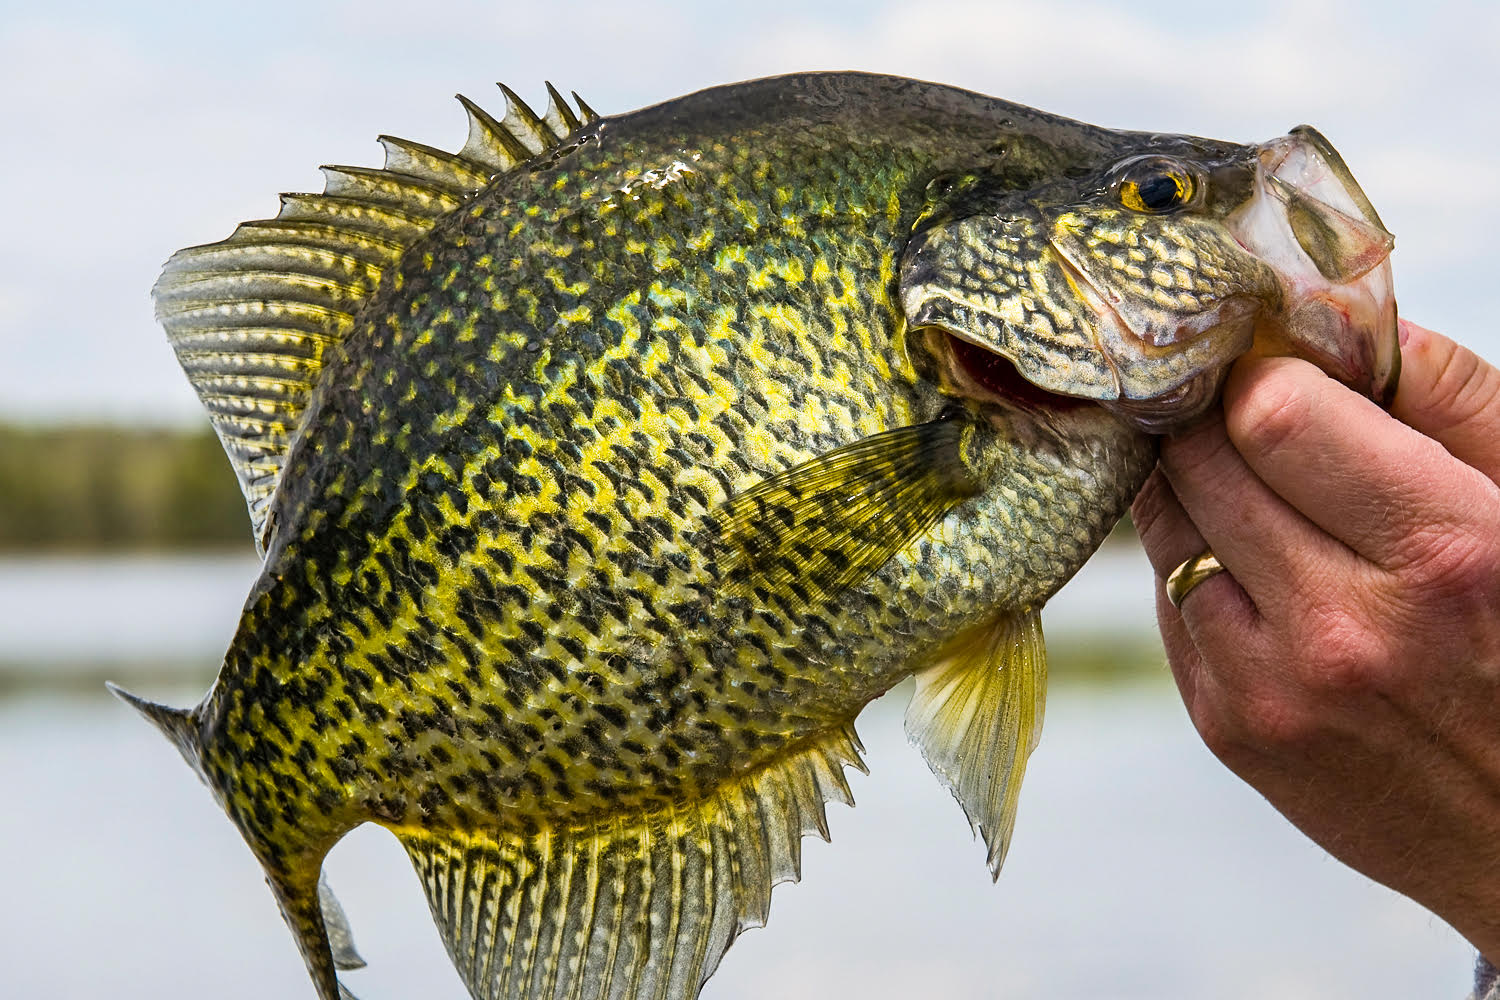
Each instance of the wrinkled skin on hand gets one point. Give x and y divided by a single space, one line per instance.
1348 664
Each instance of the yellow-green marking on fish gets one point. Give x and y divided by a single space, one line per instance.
605 469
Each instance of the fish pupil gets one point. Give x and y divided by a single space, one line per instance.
999 375
1159 192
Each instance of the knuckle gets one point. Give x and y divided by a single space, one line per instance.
1221 735
1346 654
1462 384
1269 416
1450 565
1256 726
1195 446
1261 718
1199 457
1216 736
1273 723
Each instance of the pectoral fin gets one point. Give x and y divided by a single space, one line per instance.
823 526
977 715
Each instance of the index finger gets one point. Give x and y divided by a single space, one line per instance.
1362 476
1452 395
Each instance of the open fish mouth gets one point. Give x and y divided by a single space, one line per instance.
1310 220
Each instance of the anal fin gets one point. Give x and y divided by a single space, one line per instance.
633 906
977 715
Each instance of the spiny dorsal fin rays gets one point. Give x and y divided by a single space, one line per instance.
631 907
976 715
177 724
390 188
535 134
589 114
489 141
253 317
559 115
449 170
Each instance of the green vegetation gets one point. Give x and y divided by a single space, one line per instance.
105 488
108 489
1100 660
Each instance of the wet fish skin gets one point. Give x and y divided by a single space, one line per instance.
632 480
487 494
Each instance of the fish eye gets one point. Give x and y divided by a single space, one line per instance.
1154 184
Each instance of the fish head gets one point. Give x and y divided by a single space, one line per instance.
1136 280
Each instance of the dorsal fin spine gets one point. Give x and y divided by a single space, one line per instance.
354 213
303 253
559 115
492 136
588 113
458 175
523 121
251 312
389 187
258 285
285 232
179 725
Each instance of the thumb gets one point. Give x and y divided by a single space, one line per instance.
1452 395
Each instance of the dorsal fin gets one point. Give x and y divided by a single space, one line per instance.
253 317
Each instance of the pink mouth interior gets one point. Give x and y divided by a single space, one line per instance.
997 374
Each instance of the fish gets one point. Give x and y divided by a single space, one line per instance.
604 469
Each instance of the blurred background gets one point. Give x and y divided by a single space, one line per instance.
1140 867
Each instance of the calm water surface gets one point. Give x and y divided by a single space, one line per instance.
1140 868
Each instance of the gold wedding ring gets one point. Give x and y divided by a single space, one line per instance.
1182 580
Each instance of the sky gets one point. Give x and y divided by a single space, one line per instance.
131 130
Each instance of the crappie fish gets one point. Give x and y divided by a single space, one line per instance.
605 469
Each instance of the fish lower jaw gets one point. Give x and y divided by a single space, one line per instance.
1175 409
1347 330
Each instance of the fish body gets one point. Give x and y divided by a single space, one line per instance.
605 470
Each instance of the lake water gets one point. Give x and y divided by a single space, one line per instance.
1140 867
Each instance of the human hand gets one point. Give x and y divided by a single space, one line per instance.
1348 663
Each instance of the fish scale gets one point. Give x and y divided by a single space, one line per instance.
605 469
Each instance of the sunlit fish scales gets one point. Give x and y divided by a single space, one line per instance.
606 468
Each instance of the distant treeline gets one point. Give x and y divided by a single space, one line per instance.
87 488
106 488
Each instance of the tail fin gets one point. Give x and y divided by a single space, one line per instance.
312 912
179 725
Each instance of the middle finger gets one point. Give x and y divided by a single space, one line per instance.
1275 553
